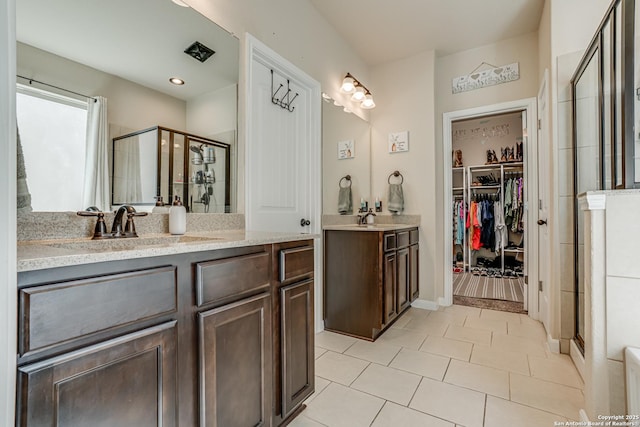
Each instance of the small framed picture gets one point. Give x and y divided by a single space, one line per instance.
398 142
346 149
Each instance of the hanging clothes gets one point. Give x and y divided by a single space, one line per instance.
462 208
500 229
474 227
487 236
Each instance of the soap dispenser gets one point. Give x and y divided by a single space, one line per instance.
160 206
177 217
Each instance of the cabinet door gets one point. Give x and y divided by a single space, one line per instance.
413 272
235 364
389 305
404 293
297 341
126 381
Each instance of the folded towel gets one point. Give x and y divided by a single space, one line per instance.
345 202
395 202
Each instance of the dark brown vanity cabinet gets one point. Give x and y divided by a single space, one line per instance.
235 363
125 381
234 340
212 338
370 278
97 350
293 331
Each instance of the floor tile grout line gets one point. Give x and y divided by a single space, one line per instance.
378 413
484 413
533 407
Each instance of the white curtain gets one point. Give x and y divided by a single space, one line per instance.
96 171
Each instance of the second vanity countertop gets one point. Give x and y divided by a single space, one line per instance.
42 254
369 227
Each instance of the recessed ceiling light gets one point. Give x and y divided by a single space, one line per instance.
176 81
180 3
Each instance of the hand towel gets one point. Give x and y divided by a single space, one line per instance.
345 202
395 202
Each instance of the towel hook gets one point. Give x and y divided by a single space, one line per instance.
396 174
347 178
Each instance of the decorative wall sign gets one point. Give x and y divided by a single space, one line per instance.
398 142
346 149
490 77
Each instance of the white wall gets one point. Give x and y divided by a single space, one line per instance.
524 50
213 113
8 295
409 107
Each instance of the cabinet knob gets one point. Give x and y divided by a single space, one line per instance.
304 222
542 222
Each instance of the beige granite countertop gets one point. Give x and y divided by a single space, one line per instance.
369 227
42 254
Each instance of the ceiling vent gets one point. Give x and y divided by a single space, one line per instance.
199 51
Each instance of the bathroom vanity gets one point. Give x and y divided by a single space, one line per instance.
197 331
370 276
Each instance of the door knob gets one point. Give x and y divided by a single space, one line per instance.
542 222
304 222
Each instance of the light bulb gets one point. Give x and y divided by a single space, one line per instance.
368 103
358 94
346 110
348 85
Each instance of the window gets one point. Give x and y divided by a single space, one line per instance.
52 132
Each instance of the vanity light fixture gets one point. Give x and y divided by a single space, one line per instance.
359 93
176 81
180 3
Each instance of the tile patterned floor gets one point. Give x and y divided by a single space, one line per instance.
458 366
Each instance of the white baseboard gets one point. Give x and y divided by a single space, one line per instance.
425 304
442 301
554 344
577 357
319 326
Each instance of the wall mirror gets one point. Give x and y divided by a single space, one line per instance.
126 52
346 150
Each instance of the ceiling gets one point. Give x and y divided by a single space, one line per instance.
382 30
138 40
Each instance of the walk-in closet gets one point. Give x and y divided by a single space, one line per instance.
489 199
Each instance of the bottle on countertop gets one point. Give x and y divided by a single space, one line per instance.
371 217
177 217
160 207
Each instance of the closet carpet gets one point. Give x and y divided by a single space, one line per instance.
497 288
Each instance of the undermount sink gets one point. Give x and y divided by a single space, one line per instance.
129 243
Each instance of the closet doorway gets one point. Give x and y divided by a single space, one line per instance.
489 249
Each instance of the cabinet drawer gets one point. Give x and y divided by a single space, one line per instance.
221 279
125 381
413 236
296 263
403 239
59 312
389 242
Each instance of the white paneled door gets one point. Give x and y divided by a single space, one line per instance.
544 277
283 147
